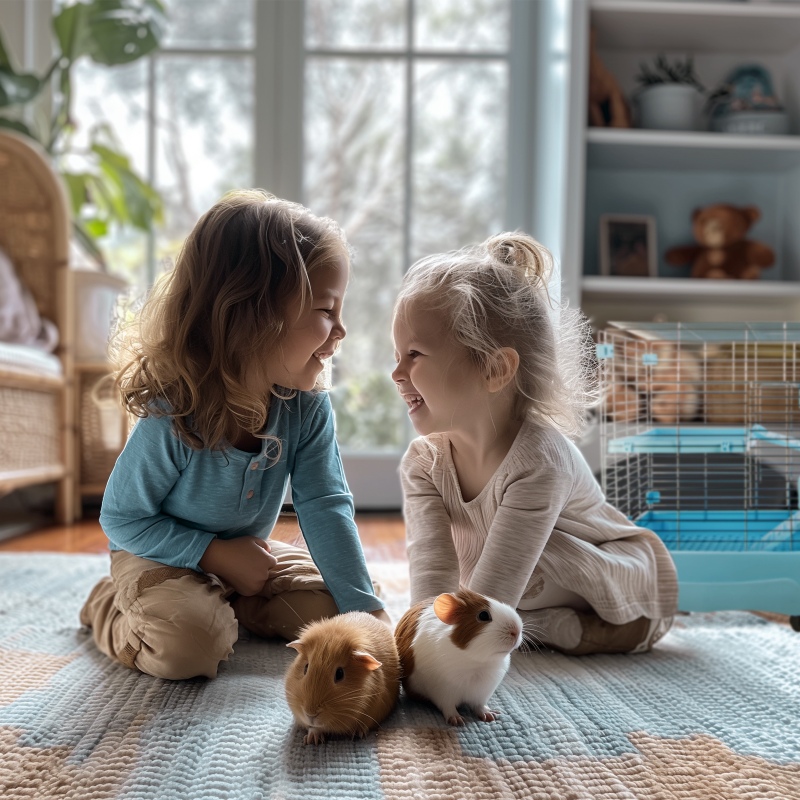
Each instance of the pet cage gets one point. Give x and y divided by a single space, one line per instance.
700 438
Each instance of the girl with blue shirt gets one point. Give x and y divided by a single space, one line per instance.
223 366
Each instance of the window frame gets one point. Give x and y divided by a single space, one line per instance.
279 53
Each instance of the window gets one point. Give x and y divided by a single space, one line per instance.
415 124
185 116
405 129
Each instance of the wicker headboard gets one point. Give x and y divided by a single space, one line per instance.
34 221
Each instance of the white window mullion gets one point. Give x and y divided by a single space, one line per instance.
38 41
152 143
522 117
538 141
279 81
408 173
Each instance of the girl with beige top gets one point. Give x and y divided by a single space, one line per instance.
497 498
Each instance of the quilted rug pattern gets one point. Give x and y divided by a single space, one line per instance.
713 713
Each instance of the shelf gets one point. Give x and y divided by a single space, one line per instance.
696 27
688 290
635 148
93 366
91 489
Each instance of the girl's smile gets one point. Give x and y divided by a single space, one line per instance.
414 401
435 376
316 332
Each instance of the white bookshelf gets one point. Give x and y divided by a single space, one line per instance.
719 27
634 148
600 288
667 174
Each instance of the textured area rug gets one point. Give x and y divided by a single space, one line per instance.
713 713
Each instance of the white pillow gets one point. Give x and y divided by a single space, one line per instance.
20 322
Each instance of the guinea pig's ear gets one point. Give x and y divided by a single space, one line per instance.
447 608
366 660
296 645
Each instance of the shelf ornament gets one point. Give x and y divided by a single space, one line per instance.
608 107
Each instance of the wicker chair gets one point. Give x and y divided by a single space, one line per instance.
36 408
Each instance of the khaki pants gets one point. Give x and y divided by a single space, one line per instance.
177 623
583 633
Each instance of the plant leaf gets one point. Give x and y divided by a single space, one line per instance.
71 29
96 228
76 188
121 31
88 243
16 87
110 31
104 193
16 125
137 200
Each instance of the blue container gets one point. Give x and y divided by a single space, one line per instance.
733 559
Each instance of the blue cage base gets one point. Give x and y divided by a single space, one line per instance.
747 560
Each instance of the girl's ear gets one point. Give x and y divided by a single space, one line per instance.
502 368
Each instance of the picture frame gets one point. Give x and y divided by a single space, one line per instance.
628 246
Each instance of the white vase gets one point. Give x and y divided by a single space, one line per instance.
670 106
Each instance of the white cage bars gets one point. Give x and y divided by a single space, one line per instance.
700 436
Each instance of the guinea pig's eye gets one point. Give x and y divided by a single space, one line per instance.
305 669
339 675
485 616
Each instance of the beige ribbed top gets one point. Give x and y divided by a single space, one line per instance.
542 516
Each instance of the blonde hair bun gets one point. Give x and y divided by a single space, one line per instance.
524 253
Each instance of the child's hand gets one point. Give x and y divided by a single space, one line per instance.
243 562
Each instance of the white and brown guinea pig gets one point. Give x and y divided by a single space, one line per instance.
456 649
346 676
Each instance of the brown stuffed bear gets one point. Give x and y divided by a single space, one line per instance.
722 250
607 105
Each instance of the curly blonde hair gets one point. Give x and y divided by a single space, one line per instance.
206 326
495 295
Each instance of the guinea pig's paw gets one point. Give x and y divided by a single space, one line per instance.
486 714
456 719
314 736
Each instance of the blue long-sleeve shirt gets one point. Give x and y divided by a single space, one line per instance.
166 502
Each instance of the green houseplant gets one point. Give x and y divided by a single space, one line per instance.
669 95
102 187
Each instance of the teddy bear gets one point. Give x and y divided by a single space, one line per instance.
607 105
722 251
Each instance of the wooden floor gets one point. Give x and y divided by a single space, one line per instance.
383 537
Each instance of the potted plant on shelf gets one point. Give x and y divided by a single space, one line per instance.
103 188
670 96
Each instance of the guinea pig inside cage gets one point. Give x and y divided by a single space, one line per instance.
700 439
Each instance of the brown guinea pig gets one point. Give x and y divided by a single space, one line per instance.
346 677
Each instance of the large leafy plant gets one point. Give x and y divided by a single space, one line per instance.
103 188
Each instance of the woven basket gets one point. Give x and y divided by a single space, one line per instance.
103 427
29 429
